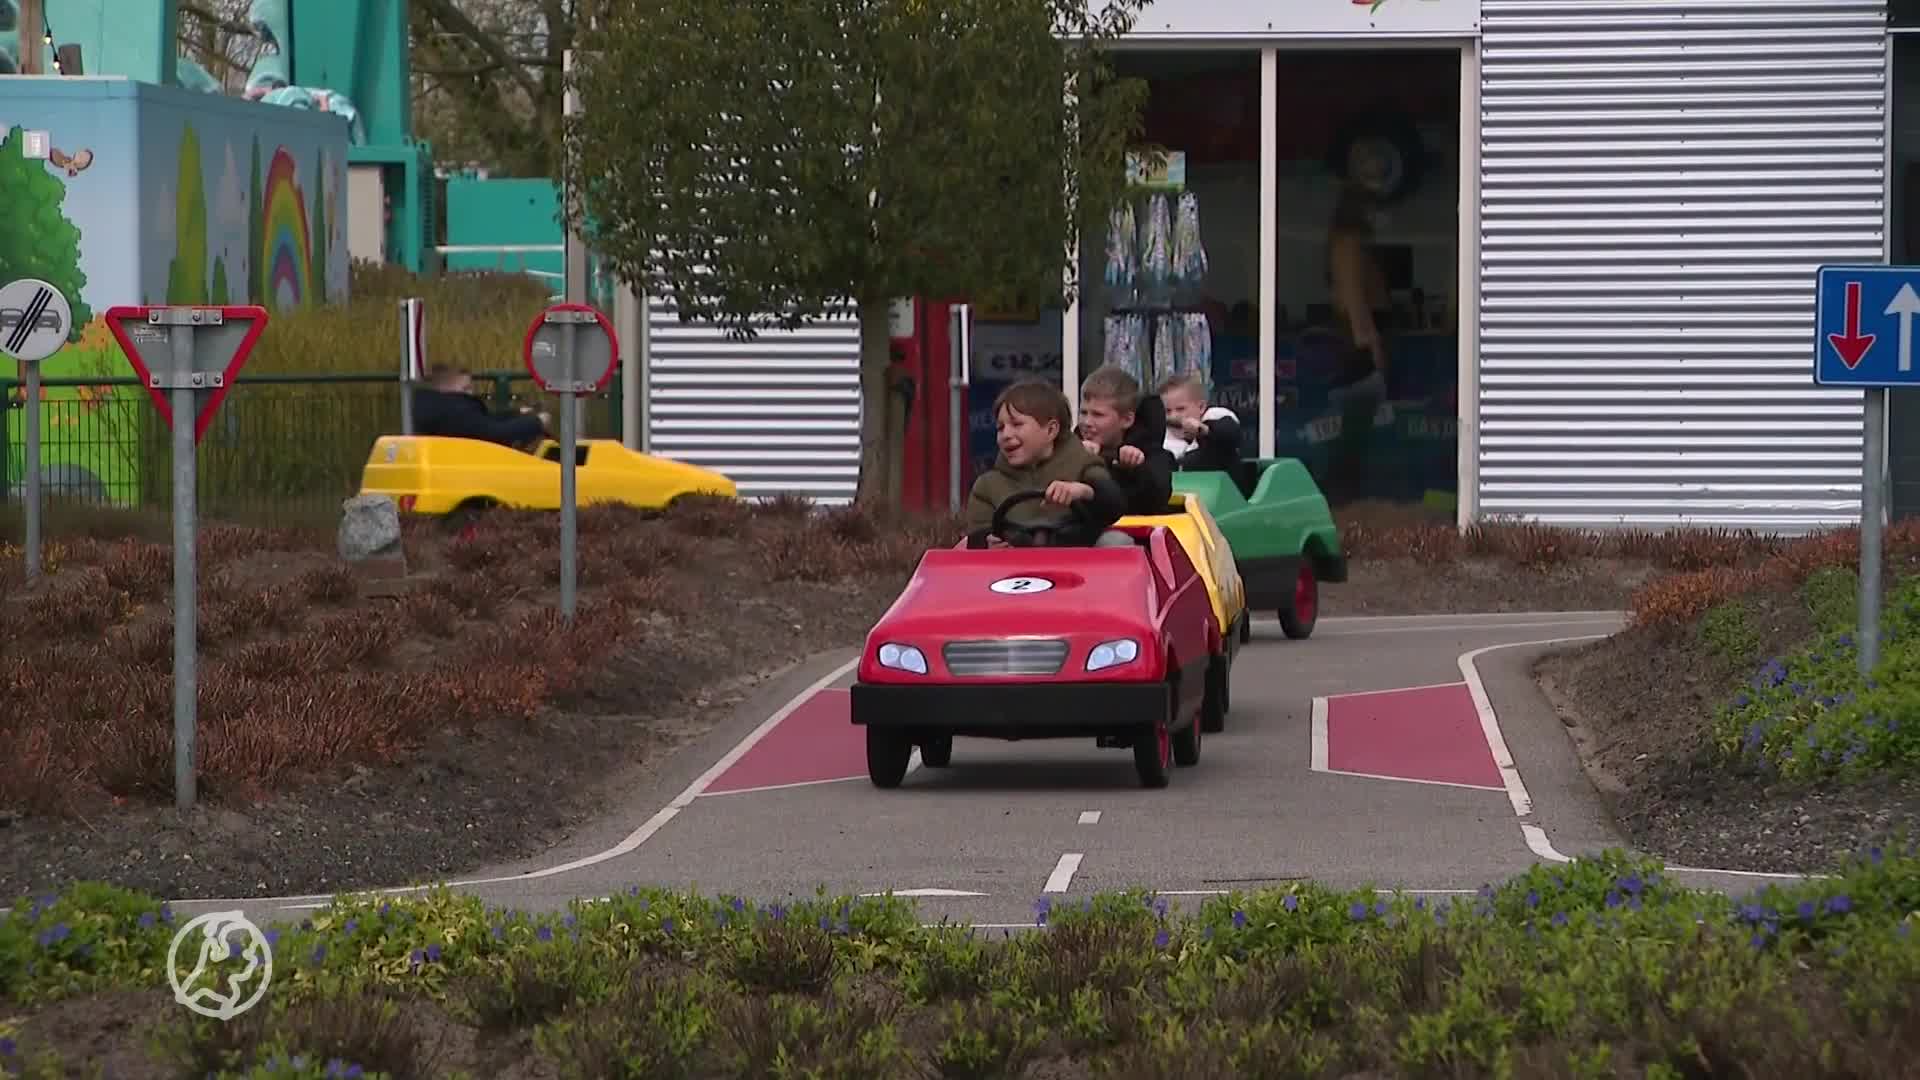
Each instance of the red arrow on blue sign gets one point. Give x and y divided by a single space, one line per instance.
1852 345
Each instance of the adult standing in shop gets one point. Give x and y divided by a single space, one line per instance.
1359 288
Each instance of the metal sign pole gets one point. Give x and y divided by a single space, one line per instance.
1872 491
34 509
406 367
185 587
569 440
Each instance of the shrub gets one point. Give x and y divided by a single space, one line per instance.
332 584
143 571
343 1033
709 516
1677 599
803 554
1812 713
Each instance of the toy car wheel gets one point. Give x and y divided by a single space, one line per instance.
1298 617
1213 709
1246 627
887 755
1153 756
936 751
1186 744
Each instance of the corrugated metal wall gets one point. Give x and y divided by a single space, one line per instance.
778 414
1660 179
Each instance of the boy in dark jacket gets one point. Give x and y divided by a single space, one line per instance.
447 406
1128 432
1038 453
1199 436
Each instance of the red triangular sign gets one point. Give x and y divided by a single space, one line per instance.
147 344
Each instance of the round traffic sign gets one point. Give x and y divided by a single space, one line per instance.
34 320
1021 586
594 354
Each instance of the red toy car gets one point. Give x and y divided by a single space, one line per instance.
1039 641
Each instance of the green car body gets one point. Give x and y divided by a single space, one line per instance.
1283 537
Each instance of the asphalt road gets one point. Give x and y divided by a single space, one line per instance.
1399 752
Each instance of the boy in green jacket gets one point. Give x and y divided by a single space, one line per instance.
1038 452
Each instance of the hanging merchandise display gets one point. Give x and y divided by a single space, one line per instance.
1155 258
1122 238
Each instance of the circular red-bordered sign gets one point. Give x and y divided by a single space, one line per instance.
591 384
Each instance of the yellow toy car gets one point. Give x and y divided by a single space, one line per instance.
442 475
1189 521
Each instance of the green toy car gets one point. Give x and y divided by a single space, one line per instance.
1282 535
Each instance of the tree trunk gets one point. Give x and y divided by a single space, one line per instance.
879 441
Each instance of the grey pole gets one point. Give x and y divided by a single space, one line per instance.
1871 494
33 468
962 340
406 368
569 436
185 691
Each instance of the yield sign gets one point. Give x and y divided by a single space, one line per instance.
202 348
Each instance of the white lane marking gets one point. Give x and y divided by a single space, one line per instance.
779 787
1382 892
924 892
1063 871
634 839
1536 836
1089 817
1319 762
1398 689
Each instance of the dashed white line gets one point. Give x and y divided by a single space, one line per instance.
1089 817
1063 871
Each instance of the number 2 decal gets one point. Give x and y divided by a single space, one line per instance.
1021 586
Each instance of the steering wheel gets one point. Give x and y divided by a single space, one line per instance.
1056 523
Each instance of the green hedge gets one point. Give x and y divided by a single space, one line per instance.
1599 968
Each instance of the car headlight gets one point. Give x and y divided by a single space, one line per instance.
1113 653
903 658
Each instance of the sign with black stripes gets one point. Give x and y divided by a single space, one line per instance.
34 320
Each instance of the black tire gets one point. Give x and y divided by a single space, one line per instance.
1153 756
936 751
887 755
1186 744
1302 612
1213 710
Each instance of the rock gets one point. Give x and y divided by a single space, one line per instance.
369 528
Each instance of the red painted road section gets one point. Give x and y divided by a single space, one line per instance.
816 741
1429 733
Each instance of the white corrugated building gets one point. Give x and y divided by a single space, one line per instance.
1622 228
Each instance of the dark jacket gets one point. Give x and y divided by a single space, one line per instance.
1070 461
1148 486
465 416
1218 449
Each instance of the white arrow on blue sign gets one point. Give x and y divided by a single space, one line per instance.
1863 326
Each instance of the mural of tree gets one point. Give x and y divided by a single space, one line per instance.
187 274
220 289
256 234
318 200
36 239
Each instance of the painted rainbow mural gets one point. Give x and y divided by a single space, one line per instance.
286 249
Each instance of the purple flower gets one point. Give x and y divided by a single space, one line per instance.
1533 899
1379 907
545 933
1839 905
1042 908
7 1046
352 925
319 955
1291 903
1560 918
666 925
1358 911
433 953
1160 939
1240 919
1807 910
147 919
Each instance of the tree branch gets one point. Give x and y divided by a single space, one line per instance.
450 16
216 20
485 69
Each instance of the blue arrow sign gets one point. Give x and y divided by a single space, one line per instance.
1863 326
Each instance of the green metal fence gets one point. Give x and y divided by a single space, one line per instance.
280 448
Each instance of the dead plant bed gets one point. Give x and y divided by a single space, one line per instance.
349 741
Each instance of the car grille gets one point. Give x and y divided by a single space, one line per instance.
1023 656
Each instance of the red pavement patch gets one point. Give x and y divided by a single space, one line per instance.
815 743
1421 734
